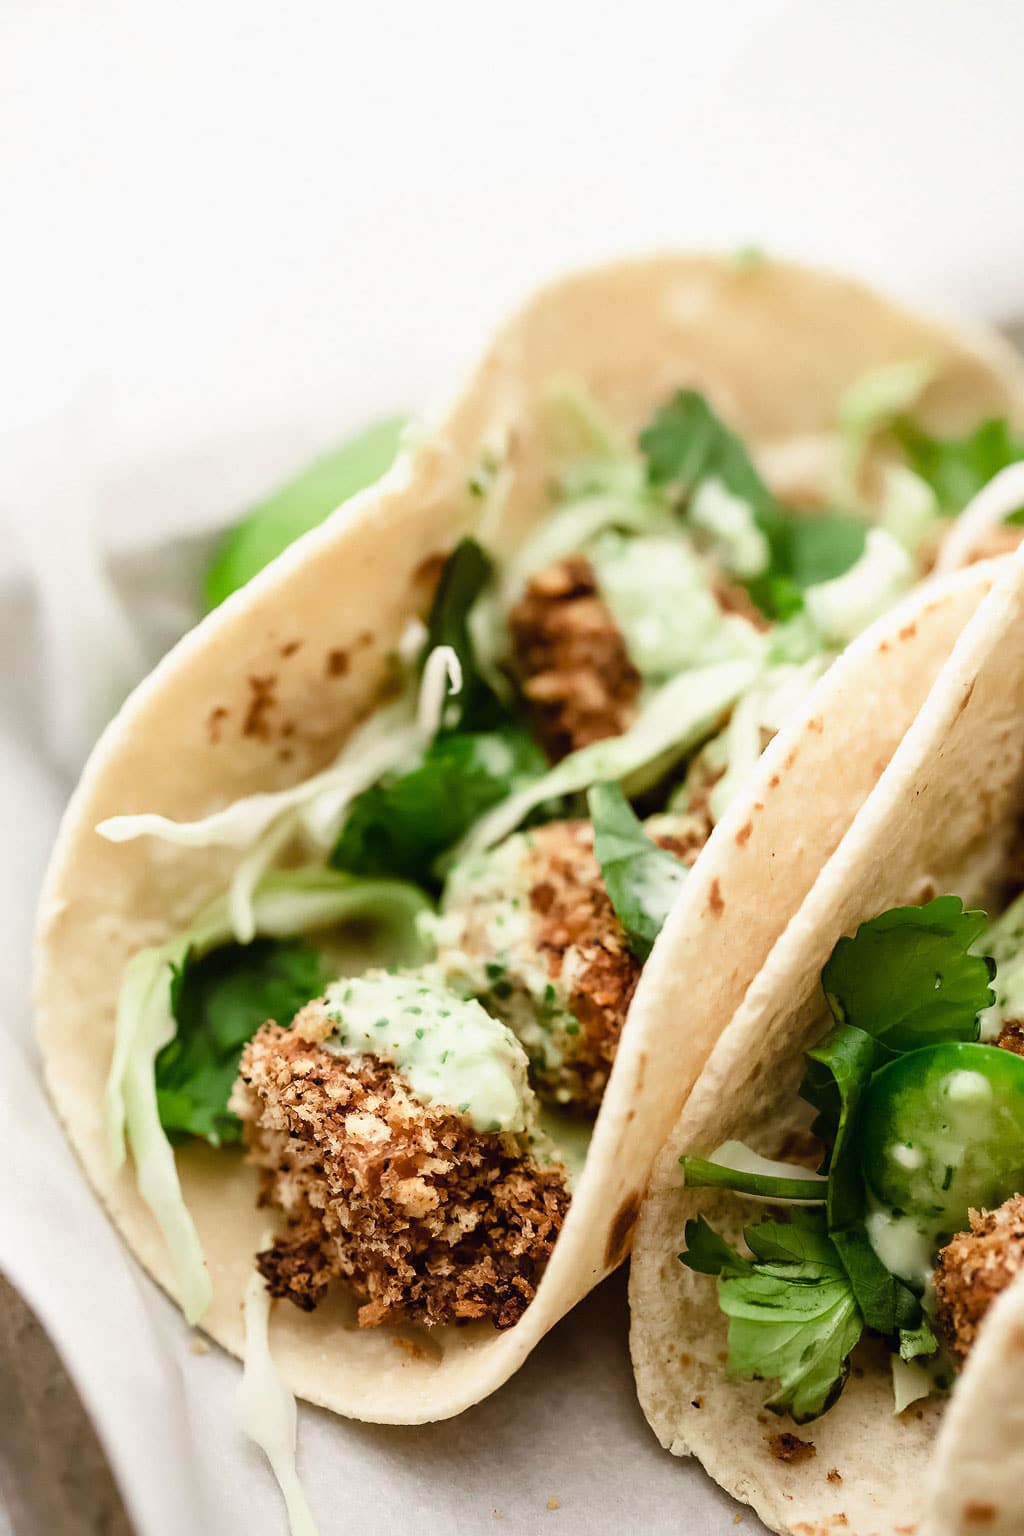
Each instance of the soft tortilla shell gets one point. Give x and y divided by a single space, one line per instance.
941 819
264 691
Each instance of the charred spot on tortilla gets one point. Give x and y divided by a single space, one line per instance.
908 632
834 1475
774 781
337 663
816 724
743 835
413 1350
427 574
621 1230
716 901
427 1219
979 1512
215 723
569 660
789 1448
290 647
263 698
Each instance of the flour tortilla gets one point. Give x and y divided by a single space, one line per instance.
940 820
775 347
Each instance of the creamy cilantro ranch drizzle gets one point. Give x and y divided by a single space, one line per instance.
487 941
570 1135
266 1408
449 1050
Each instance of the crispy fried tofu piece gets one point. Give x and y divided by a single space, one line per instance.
426 1218
570 661
532 931
974 1268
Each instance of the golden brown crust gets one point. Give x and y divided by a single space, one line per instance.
583 942
569 660
1011 1037
426 1218
974 1268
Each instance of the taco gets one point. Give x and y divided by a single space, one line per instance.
529 677
827 1283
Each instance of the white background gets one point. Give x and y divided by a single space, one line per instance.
231 232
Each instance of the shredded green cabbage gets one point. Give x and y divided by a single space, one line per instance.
672 722
265 823
841 608
735 751
869 406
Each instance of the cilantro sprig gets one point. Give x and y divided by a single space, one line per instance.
792 1314
219 1000
641 878
905 981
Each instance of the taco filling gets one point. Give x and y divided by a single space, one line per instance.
552 750
914 1223
434 1207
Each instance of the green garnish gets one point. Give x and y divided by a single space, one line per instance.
465 574
406 822
905 992
957 468
792 1313
300 505
687 444
907 978
219 1001
642 880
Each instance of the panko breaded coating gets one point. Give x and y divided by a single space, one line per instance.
974 1268
569 660
426 1218
1011 1037
530 929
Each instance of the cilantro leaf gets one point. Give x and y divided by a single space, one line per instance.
403 824
687 443
793 1316
297 507
219 1002
907 978
886 1304
957 468
709 1254
642 879
821 546
464 576
838 1071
